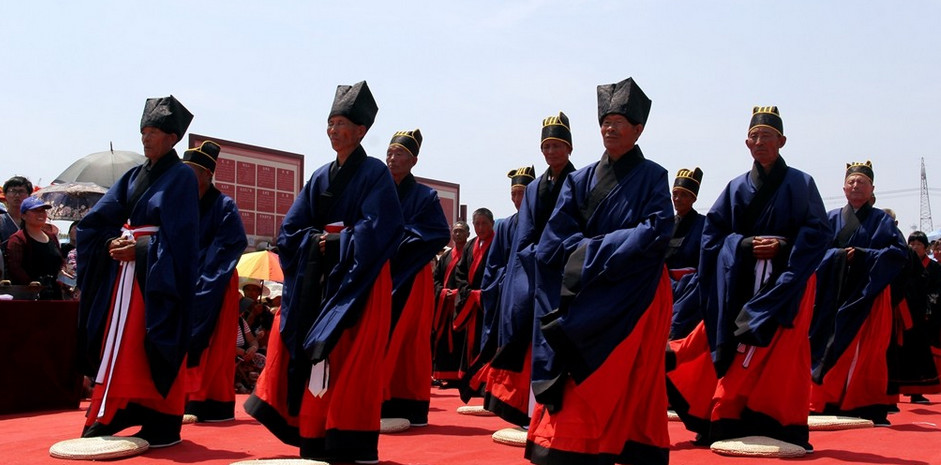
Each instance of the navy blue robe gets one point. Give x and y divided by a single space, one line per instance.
617 254
166 264
371 219
733 313
221 243
513 323
684 254
426 233
492 283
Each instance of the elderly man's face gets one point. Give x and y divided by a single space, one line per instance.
858 189
619 135
459 234
400 162
557 154
156 142
516 195
683 201
764 144
483 226
344 134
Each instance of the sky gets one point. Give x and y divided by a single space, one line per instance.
854 81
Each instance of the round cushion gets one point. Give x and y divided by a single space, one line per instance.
189 419
393 425
280 462
757 446
476 410
672 416
836 422
100 448
511 437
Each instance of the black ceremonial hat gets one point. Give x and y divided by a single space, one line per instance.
355 103
864 169
166 114
522 176
204 156
408 140
767 117
624 98
557 127
688 180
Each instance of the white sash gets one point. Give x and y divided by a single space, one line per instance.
122 303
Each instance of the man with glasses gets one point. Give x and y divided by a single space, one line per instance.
16 189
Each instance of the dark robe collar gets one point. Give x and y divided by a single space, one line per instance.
406 185
760 178
627 162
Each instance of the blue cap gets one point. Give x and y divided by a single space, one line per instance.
32 203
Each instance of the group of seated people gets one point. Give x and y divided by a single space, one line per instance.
256 315
30 245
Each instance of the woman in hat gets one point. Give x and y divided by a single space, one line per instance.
33 253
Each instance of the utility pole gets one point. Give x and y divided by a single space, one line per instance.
926 224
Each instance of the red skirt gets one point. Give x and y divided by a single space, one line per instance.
860 378
508 392
344 422
131 380
213 380
618 412
408 357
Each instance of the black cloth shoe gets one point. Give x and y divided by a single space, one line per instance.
158 438
918 399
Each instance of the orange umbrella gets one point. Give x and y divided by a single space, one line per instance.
262 265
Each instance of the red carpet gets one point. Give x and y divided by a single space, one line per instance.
913 439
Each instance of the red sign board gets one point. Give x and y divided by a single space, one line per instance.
262 181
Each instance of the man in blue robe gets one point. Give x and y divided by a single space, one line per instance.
603 303
408 355
852 323
510 379
762 241
480 375
683 253
222 240
137 248
322 388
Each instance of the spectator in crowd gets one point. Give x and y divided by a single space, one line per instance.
852 321
255 310
15 190
446 354
32 253
138 248
248 361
